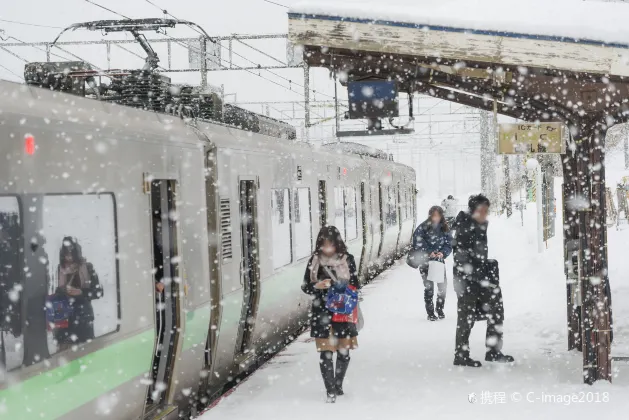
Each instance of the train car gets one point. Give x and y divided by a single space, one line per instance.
98 201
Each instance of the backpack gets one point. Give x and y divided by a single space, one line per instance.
341 299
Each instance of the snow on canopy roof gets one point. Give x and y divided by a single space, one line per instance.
561 20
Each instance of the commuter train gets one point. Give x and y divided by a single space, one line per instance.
228 216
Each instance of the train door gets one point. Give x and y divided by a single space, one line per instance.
398 209
167 306
250 272
381 214
367 228
323 204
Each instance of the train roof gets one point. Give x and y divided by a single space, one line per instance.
38 106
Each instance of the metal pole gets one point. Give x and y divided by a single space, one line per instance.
307 100
484 152
627 151
203 59
336 109
540 215
508 204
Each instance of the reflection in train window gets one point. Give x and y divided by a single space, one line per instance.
80 247
390 207
281 227
11 286
303 220
339 210
351 220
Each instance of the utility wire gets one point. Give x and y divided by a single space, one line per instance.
29 24
276 4
11 71
108 9
242 56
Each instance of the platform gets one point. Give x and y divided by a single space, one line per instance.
403 369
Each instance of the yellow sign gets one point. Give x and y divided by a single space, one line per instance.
531 138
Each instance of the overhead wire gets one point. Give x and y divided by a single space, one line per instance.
11 71
15 22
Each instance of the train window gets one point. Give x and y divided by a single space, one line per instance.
281 227
11 286
339 210
303 223
79 245
391 207
351 219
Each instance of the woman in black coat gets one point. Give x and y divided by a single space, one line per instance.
78 280
331 266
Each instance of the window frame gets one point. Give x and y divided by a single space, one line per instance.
290 227
116 250
295 197
22 254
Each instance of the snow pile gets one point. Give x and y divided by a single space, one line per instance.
572 19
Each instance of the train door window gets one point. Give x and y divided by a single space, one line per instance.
281 227
323 204
11 286
250 271
391 207
303 223
166 272
79 248
339 210
363 210
351 218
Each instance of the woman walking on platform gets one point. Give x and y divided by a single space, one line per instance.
432 238
332 269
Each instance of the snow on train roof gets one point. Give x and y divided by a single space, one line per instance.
589 22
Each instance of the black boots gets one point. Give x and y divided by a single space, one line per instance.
327 371
430 310
333 378
463 359
440 303
342 363
498 357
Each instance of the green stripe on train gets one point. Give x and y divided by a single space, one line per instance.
58 391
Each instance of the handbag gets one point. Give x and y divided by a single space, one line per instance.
436 271
58 311
416 258
340 299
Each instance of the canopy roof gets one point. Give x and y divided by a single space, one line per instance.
564 20
561 60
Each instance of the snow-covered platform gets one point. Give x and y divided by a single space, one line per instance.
576 36
403 368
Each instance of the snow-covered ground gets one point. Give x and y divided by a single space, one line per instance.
403 368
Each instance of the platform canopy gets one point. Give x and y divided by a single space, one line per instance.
542 60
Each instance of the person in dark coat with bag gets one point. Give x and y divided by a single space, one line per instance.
78 280
331 266
433 241
476 285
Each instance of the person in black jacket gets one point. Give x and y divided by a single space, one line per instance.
432 238
331 266
475 282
